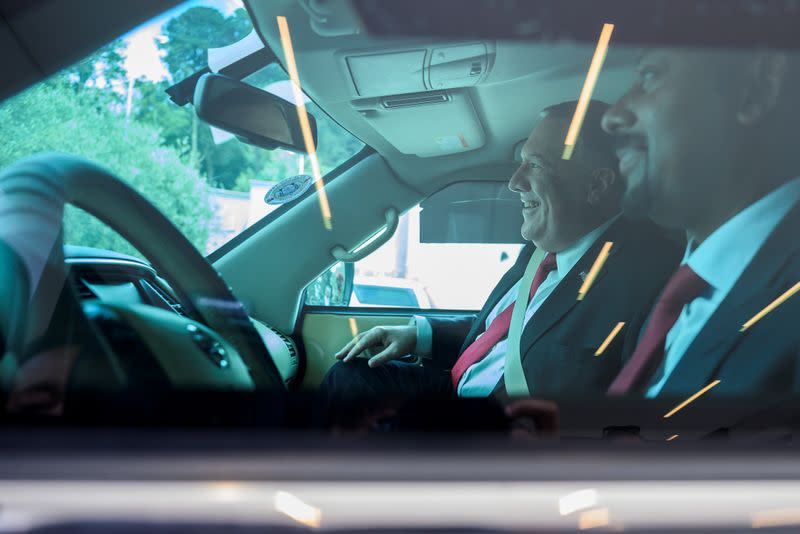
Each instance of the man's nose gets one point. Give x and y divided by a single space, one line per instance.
618 118
517 183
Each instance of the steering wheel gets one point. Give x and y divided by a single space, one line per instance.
33 193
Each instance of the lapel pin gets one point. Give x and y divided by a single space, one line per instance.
582 274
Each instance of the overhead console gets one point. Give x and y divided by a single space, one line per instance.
418 70
423 87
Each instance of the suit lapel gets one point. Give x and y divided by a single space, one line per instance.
565 296
764 279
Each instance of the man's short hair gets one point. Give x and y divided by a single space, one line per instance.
592 137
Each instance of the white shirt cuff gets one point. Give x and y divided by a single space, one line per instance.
424 345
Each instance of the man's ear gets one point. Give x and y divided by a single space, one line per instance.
603 180
763 84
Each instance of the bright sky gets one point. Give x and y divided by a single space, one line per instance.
143 58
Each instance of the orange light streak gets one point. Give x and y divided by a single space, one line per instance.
595 270
609 339
690 400
305 125
588 88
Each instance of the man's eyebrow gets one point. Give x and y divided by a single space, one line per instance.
536 155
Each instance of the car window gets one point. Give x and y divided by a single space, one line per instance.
113 109
433 266
385 296
650 165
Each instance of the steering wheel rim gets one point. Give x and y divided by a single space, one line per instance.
40 187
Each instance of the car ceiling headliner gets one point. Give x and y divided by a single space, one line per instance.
525 78
39 37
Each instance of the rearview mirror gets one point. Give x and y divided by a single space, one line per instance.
256 117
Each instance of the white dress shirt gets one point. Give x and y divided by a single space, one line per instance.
720 260
482 377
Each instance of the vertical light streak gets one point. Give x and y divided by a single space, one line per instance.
305 125
353 326
588 88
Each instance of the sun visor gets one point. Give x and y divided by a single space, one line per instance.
429 124
386 74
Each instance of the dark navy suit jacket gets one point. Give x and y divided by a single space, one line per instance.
762 360
559 342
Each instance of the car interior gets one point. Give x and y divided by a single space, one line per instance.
130 361
432 113
461 120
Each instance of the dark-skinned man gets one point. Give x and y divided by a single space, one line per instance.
705 141
571 208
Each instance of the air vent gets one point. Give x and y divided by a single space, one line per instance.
290 346
84 293
287 340
169 299
412 100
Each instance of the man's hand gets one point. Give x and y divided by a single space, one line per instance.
395 342
533 417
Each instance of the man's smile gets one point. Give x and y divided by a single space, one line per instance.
531 204
629 158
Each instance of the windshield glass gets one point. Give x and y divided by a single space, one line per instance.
112 108
541 272
578 214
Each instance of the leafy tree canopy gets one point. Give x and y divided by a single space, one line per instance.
49 118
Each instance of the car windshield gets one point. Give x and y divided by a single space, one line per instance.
545 209
386 265
208 183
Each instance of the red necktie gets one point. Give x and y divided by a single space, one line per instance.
499 327
684 286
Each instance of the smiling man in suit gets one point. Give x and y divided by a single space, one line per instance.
571 209
706 142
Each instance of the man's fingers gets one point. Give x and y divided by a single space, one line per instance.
544 415
531 408
366 341
386 355
344 350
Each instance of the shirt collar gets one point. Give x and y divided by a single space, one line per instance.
567 258
724 255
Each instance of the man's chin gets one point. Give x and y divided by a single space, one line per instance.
529 235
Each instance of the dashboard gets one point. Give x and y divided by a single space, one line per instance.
123 280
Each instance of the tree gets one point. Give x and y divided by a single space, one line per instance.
193 32
49 117
188 38
105 64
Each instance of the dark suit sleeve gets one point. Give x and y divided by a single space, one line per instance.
449 334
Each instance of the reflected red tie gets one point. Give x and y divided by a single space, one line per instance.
684 286
499 327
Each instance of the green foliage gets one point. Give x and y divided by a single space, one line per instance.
193 32
230 165
49 117
328 288
105 64
164 151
